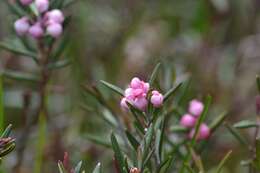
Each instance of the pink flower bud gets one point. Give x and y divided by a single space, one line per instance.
36 31
140 103
196 107
55 16
136 83
123 104
42 5
26 2
156 99
134 170
55 30
188 121
203 133
22 26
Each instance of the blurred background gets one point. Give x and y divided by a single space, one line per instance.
215 43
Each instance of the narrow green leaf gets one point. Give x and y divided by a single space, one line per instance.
98 140
165 165
113 88
7 150
158 144
178 129
223 161
20 76
237 135
40 143
171 92
61 167
245 124
7 131
118 153
78 167
154 74
59 64
16 48
97 168
217 121
135 144
1 105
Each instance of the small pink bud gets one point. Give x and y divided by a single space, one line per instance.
188 121
123 104
196 107
136 83
156 99
42 5
22 26
203 133
55 30
55 16
140 103
26 2
36 31
134 170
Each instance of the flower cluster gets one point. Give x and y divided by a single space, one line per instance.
137 95
44 22
189 120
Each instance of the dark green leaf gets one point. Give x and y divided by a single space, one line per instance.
20 76
165 165
61 167
97 168
135 144
78 167
7 150
7 131
223 161
237 135
154 74
178 128
118 154
217 121
113 88
245 124
171 92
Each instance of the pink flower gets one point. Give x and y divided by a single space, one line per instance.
156 99
55 15
22 26
54 29
42 5
203 133
36 31
188 121
136 83
123 104
140 103
196 107
26 2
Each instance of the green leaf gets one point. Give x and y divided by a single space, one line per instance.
78 167
42 132
118 154
158 144
135 144
7 131
1 105
59 64
98 140
97 168
61 167
16 47
165 165
171 92
7 150
223 161
20 76
113 88
237 135
258 83
245 124
154 74
178 128
217 121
